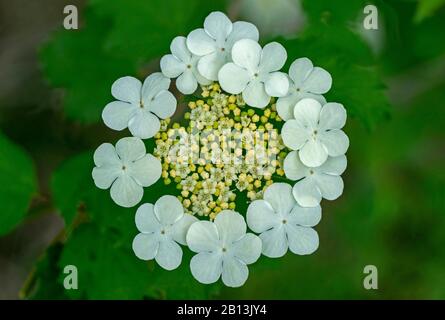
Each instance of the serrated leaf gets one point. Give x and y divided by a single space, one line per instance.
160 21
426 8
17 184
109 237
356 81
79 62
114 42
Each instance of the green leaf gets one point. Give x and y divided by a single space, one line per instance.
426 8
113 43
109 270
79 62
150 36
356 81
108 238
17 184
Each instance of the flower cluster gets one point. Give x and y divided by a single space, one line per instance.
252 130
225 147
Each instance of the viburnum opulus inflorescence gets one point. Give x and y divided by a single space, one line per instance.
250 131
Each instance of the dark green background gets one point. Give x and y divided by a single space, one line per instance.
55 82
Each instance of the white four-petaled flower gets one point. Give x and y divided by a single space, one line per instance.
182 64
316 131
282 223
162 226
214 43
306 81
315 183
140 105
223 248
126 168
254 72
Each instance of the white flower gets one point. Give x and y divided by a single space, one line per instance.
306 81
315 183
140 105
162 226
315 131
283 223
254 72
223 248
182 64
214 43
126 168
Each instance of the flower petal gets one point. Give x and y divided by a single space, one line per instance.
247 53
169 255
293 167
130 149
209 65
274 242
299 70
146 171
146 220
171 66
153 84
306 193
145 246
319 81
332 116
247 249
233 78
106 154
307 112
242 30
163 104
335 141
144 125
126 192
261 216
168 209
203 236
334 165
234 272
127 89
331 187
105 175
231 226
313 153
280 197
206 267
273 57
277 84
285 106
217 25
178 48
200 43
186 83
294 135
116 115
306 217
181 227
302 240
255 95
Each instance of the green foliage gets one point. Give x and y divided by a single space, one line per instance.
108 269
17 184
88 68
95 56
392 210
331 42
426 8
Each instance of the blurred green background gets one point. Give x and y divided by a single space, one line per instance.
55 82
